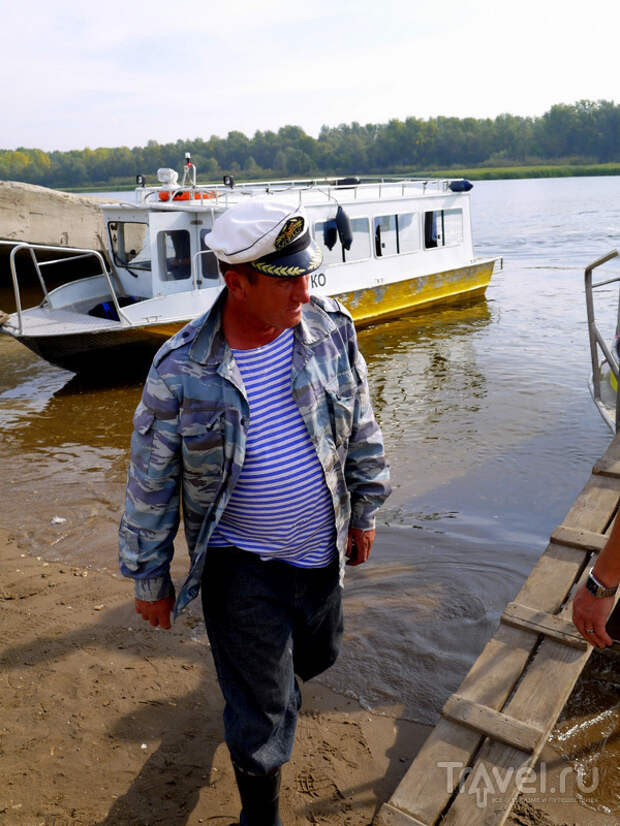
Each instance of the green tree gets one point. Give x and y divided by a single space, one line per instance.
250 166
585 130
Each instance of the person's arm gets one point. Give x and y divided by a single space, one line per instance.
366 470
151 518
590 613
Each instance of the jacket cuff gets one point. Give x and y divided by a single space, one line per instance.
150 589
363 517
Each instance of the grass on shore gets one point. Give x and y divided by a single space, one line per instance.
482 173
478 173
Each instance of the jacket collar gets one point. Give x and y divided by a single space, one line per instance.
315 324
209 346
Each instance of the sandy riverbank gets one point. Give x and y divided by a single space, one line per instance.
107 721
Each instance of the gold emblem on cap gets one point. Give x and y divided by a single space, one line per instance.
279 270
291 229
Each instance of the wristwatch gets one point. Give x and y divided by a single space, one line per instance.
597 589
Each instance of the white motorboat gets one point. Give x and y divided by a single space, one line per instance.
389 248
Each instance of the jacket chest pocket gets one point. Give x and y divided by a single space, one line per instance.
341 404
202 435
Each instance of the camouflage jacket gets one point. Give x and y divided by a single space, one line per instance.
189 437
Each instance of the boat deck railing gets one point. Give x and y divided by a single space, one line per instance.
220 194
598 344
69 255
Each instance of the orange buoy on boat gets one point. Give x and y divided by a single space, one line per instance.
186 196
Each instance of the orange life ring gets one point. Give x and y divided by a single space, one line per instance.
185 196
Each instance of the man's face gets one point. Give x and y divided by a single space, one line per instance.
277 302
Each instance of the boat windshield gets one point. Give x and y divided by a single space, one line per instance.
174 254
130 244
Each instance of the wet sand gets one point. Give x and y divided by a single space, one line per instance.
108 721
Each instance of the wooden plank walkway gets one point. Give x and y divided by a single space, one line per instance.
504 710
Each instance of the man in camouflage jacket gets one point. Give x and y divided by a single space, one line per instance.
187 451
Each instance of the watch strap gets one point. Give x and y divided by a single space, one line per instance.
597 588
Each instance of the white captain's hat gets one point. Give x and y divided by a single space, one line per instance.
269 236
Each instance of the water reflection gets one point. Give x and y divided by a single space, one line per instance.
426 386
65 445
79 412
424 358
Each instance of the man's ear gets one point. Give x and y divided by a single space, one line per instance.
236 283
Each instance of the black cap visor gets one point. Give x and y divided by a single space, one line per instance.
301 257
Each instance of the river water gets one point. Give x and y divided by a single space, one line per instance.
487 421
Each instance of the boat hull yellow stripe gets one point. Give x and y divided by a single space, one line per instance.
387 301
166 330
393 300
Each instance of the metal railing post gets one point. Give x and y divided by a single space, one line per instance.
18 301
594 335
78 253
39 273
196 282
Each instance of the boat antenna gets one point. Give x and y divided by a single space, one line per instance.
189 170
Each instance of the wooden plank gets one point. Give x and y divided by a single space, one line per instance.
609 463
538 701
424 793
494 674
493 723
595 506
389 816
579 538
541 622
611 469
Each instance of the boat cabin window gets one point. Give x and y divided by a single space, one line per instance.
208 259
408 232
386 236
129 241
396 234
443 228
174 251
326 236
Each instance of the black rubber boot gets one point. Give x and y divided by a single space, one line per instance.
260 798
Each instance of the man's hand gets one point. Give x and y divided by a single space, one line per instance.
590 615
157 613
359 545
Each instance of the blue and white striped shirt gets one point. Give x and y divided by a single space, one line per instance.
281 507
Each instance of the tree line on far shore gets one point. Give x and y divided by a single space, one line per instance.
586 132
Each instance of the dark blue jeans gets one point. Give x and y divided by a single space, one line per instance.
267 622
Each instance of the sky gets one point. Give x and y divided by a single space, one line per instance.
122 72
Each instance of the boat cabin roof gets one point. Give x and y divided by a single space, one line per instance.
307 193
